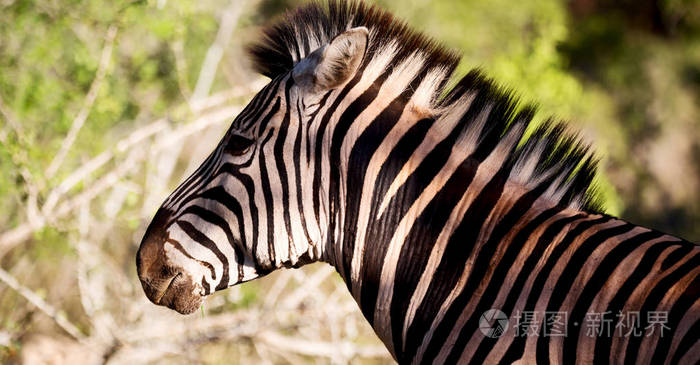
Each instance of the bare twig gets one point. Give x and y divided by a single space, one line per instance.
41 304
274 292
321 348
205 80
87 103
19 160
229 94
100 160
22 232
5 339
7 114
181 69
309 286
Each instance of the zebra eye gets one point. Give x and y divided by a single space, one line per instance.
238 145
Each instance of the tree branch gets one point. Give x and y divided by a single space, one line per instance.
320 348
211 61
13 237
41 304
87 103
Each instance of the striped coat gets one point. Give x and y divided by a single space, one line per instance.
464 232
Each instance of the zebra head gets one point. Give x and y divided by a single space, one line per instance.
253 205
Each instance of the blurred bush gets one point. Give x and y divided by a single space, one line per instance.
106 106
625 73
645 57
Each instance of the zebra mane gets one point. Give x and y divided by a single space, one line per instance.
547 157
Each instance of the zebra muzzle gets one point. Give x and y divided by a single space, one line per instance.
180 295
176 292
163 283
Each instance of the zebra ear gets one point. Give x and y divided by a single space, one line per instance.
333 64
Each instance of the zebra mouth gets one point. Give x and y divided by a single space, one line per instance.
159 298
180 295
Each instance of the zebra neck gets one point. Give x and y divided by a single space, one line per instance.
427 275
404 247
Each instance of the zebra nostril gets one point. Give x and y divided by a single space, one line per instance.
169 287
155 288
178 293
158 292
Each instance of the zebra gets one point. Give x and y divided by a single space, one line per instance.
435 198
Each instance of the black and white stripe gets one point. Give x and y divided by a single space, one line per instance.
434 206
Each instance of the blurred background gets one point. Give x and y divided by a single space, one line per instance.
106 105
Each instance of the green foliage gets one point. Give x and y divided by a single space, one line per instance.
49 56
50 244
516 43
645 61
249 294
241 297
